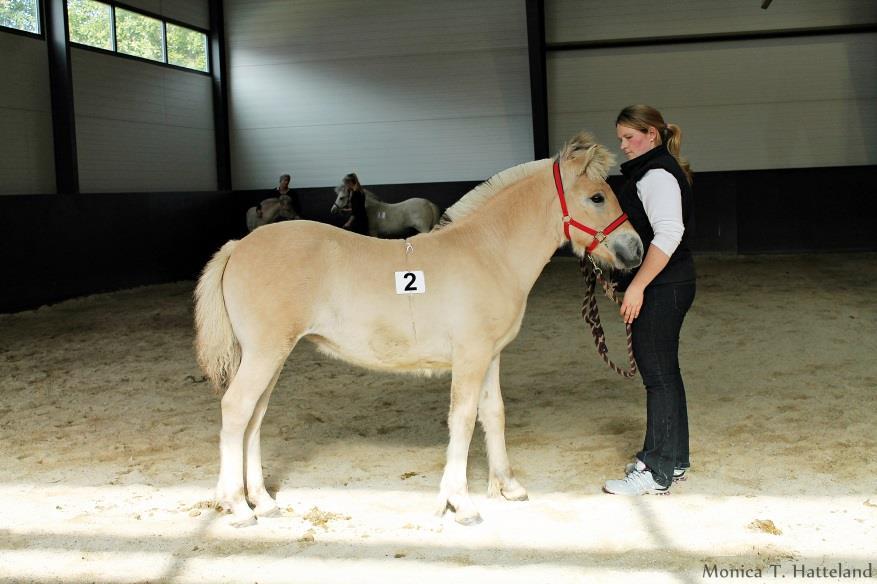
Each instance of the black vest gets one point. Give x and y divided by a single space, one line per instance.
680 268
357 209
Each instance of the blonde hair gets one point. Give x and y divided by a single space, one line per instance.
642 117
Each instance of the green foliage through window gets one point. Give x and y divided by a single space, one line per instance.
95 23
20 14
186 47
139 35
90 23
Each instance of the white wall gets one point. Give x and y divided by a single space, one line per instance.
141 127
27 159
396 91
747 104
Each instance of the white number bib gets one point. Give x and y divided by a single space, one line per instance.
412 282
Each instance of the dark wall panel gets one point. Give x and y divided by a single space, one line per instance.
54 247
788 210
797 210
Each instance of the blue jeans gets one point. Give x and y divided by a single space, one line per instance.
656 349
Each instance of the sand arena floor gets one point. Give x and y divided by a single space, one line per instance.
109 447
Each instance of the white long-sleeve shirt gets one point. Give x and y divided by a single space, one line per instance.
662 201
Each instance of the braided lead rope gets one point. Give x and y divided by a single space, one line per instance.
591 314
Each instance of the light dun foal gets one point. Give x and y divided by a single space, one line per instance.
450 299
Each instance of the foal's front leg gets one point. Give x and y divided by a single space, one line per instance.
491 412
466 382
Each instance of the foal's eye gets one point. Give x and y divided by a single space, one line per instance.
598 198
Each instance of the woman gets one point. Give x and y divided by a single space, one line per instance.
291 209
657 198
358 221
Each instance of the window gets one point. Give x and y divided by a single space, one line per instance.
90 23
109 26
20 15
186 47
139 35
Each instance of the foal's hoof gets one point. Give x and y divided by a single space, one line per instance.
244 521
519 494
271 511
469 520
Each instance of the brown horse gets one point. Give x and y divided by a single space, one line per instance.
448 300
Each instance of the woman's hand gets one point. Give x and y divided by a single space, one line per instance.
652 265
633 302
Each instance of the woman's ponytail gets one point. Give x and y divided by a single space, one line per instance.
672 137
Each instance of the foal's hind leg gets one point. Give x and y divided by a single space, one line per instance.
467 379
491 412
238 404
264 504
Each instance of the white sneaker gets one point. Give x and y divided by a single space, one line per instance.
678 473
639 482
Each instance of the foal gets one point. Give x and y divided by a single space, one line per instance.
451 299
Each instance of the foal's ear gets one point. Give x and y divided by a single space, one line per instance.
597 162
594 158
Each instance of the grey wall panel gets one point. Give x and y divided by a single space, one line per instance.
153 6
27 164
194 12
386 152
577 20
400 91
783 103
261 32
123 156
108 87
141 127
27 161
188 99
383 89
24 69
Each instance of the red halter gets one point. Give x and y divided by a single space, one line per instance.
599 236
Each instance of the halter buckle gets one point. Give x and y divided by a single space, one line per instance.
600 237
567 218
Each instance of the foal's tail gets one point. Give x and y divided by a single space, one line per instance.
219 353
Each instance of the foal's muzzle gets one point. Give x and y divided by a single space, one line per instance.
628 248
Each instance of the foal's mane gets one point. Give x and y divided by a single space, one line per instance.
477 196
594 159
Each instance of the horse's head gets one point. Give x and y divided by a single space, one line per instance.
584 165
342 199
